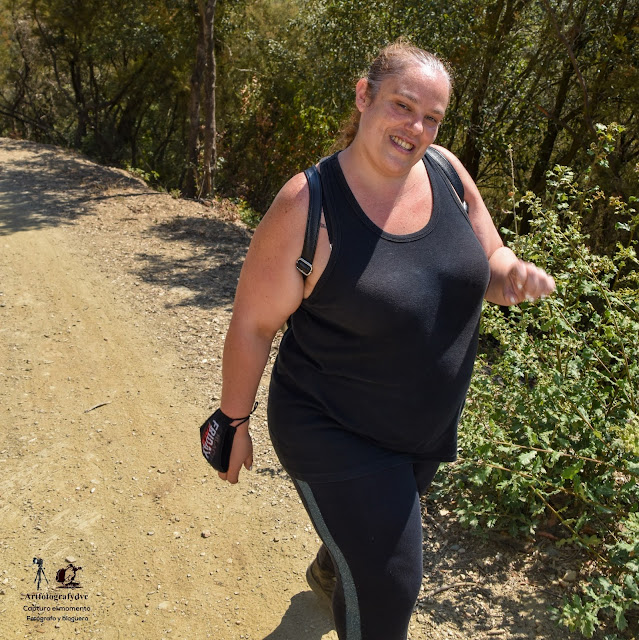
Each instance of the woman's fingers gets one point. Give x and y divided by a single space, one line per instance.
241 454
516 282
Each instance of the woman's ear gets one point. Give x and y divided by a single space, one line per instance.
362 99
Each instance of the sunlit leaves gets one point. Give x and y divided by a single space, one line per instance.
554 404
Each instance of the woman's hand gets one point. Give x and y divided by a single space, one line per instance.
241 454
513 280
527 282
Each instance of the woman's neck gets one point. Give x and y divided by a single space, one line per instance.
363 175
397 204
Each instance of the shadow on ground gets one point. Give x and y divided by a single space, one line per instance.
209 270
46 186
305 619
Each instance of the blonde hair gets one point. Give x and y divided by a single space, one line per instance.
392 60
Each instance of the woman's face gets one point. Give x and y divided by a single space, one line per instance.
399 123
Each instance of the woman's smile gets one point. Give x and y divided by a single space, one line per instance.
403 144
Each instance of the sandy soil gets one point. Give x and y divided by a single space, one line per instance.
114 302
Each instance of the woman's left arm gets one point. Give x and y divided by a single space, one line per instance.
511 280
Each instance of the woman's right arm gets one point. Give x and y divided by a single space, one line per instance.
269 290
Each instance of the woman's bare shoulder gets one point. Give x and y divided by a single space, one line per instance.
290 205
280 235
270 287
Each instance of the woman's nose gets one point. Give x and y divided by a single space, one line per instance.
417 126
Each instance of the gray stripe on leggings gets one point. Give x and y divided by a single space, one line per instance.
353 626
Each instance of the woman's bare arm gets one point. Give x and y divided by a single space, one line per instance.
269 290
511 280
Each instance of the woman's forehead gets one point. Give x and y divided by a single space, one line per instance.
416 73
415 81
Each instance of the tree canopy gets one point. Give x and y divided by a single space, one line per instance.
114 78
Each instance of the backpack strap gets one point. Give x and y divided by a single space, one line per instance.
444 165
304 263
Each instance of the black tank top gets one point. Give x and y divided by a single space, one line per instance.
377 361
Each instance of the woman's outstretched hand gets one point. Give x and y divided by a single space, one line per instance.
513 280
527 282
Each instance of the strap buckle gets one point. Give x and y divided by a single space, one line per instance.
304 267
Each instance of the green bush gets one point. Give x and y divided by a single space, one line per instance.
550 434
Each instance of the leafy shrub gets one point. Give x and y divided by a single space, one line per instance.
550 433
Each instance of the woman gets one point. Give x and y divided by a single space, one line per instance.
372 373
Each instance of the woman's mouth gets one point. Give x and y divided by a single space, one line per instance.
402 143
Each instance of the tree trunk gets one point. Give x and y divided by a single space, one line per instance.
207 13
80 102
499 21
190 188
537 180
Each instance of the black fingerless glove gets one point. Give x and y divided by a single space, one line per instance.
216 436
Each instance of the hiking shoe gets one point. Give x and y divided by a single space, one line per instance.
321 579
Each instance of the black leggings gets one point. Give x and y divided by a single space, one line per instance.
372 528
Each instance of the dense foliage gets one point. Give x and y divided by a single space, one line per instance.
550 436
107 77
113 78
531 76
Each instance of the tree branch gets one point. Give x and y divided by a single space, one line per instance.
34 123
575 65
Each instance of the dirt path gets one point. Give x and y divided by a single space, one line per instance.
114 301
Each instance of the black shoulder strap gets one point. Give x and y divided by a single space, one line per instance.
449 171
305 261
